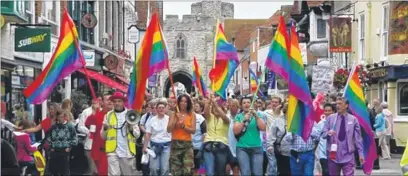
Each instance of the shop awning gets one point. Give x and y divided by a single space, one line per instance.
105 80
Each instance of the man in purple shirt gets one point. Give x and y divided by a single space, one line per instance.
342 129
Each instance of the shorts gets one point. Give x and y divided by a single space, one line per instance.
197 161
232 161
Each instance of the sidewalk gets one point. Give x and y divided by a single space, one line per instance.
387 167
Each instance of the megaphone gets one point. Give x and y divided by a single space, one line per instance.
132 117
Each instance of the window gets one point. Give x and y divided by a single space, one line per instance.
77 9
50 15
29 10
384 32
402 98
180 47
321 28
361 36
382 92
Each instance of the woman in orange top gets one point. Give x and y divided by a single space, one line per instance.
182 125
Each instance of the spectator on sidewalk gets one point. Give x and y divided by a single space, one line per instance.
24 149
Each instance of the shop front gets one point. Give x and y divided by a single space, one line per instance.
390 84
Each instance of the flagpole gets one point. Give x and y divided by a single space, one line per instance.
348 79
81 57
215 52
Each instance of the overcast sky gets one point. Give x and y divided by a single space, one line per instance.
243 10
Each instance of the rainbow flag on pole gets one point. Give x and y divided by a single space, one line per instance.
300 108
353 92
278 60
152 58
67 58
198 80
225 62
253 80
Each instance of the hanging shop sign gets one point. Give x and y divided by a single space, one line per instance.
2 21
32 40
89 20
89 56
398 29
111 62
133 34
340 34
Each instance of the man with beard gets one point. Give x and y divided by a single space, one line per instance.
94 123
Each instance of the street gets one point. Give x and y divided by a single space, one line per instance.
387 167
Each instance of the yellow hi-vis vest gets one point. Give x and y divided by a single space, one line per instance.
404 161
111 137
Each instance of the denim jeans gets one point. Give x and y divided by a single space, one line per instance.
160 164
250 160
215 163
305 165
272 165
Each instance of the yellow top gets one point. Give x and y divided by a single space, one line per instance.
217 130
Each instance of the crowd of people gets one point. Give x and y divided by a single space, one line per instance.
200 136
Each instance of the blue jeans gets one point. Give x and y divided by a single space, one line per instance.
305 165
272 165
160 164
250 160
215 163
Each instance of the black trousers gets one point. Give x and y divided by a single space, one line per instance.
283 164
325 167
59 163
139 166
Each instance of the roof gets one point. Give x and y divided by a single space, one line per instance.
231 26
297 5
274 19
243 35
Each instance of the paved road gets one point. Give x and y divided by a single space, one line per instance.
387 167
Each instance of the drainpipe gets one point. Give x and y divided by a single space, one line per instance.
369 59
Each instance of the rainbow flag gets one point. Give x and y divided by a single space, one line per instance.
225 62
300 108
353 92
198 80
278 59
253 79
67 58
152 58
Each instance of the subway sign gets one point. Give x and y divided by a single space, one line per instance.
32 40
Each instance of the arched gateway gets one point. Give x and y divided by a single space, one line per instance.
181 77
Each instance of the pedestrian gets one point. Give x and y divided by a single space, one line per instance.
62 137
380 132
389 123
150 112
216 140
159 138
24 149
199 135
181 126
345 138
322 149
247 127
67 106
95 124
275 131
120 136
232 141
282 148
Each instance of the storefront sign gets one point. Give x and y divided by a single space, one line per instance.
89 56
340 34
398 29
2 21
133 34
322 79
378 73
89 21
32 39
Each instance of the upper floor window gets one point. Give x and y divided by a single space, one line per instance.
321 28
29 10
180 47
402 98
361 36
77 10
50 15
384 31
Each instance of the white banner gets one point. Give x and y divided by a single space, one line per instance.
322 80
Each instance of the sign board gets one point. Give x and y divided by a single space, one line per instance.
322 79
89 20
89 56
133 34
32 39
303 52
2 21
340 34
397 33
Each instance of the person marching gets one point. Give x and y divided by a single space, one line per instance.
120 137
95 123
199 135
216 141
181 126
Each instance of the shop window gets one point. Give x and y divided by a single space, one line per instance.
402 98
29 10
382 92
50 15
321 28
384 31
77 9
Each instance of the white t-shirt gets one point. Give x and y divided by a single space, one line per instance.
158 128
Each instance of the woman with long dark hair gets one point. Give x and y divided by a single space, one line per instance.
182 125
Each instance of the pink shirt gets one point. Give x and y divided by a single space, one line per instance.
24 148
